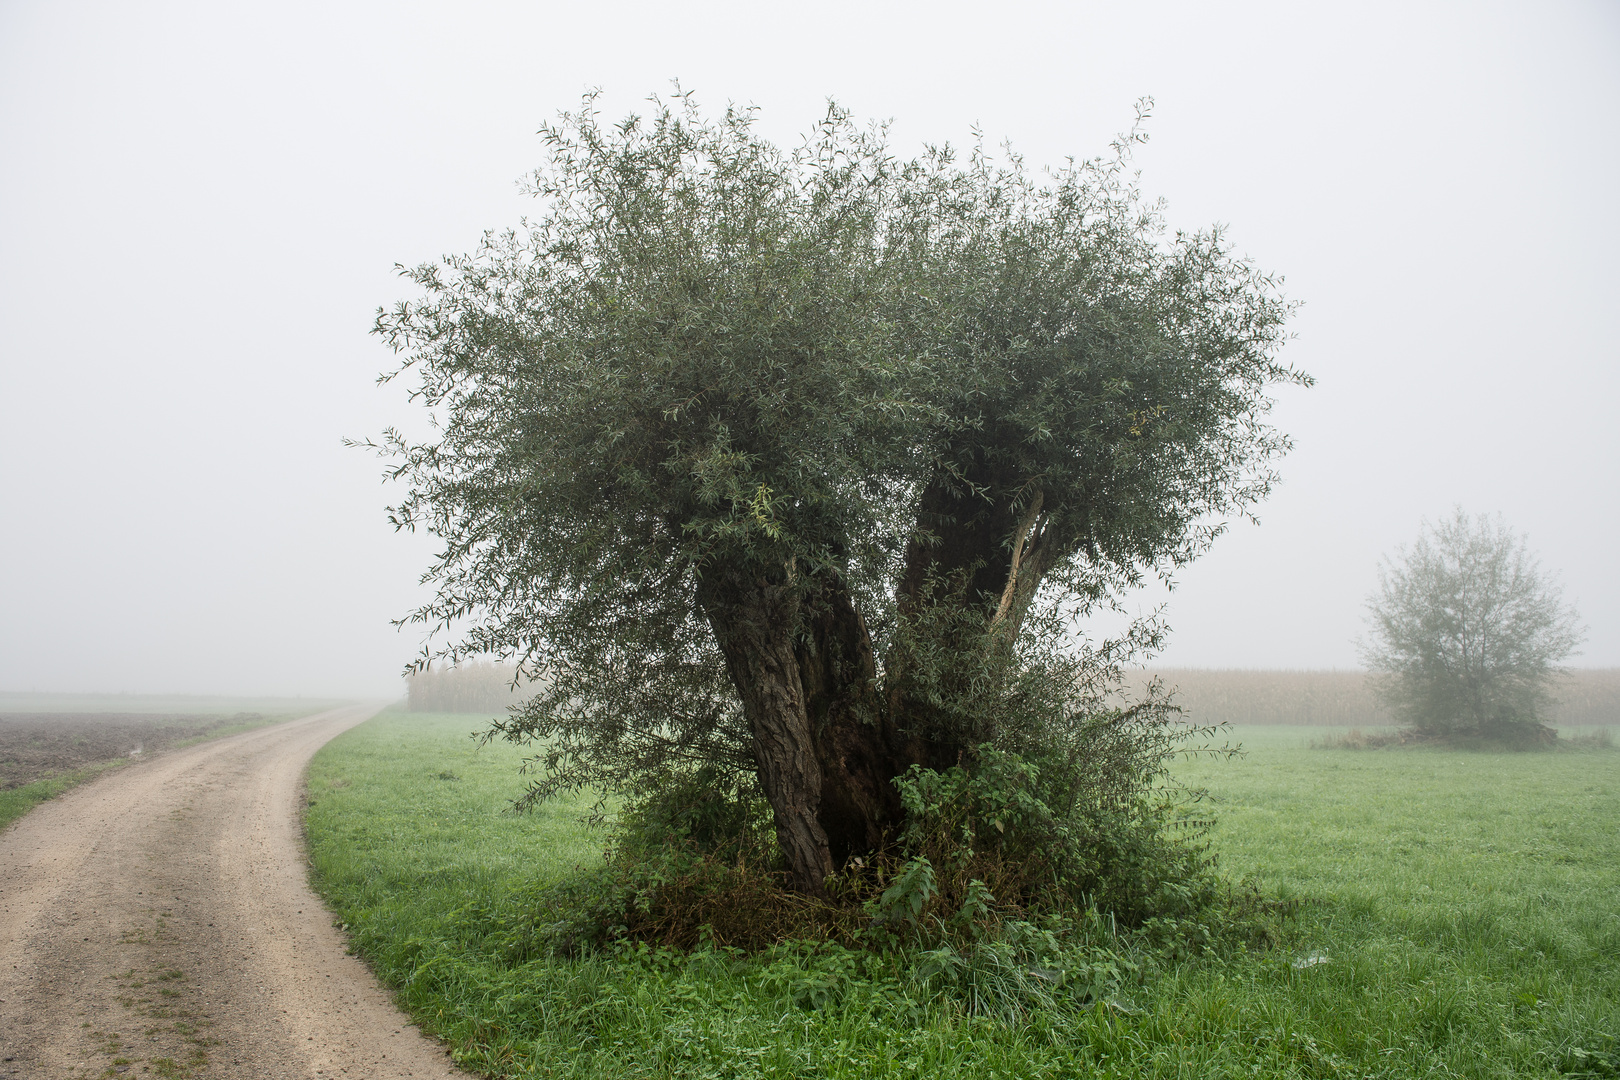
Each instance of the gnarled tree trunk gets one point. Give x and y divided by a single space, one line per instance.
801 659
859 751
828 739
754 619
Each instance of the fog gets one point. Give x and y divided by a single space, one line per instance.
201 206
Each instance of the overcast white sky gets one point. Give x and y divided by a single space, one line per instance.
201 206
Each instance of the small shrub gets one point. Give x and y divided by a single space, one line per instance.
990 832
1356 739
1601 739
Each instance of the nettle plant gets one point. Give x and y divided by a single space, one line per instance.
797 469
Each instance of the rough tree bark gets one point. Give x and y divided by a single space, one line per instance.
859 751
754 619
801 659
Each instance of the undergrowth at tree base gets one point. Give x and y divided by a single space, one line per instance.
828 949
989 898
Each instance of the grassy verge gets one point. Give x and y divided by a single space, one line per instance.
17 801
1463 919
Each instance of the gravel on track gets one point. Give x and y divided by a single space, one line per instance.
159 922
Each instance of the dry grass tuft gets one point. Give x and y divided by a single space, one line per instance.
743 907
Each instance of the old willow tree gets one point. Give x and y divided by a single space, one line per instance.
771 463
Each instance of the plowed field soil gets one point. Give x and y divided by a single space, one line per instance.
35 746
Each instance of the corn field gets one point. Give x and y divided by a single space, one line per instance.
477 687
1586 697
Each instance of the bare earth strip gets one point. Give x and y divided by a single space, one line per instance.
158 922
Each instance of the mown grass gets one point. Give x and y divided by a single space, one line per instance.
1461 918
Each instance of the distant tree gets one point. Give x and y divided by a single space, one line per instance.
783 465
1467 632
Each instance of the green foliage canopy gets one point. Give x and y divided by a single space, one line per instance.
732 443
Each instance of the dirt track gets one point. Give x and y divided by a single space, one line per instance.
157 922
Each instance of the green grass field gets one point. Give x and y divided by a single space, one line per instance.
1462 918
